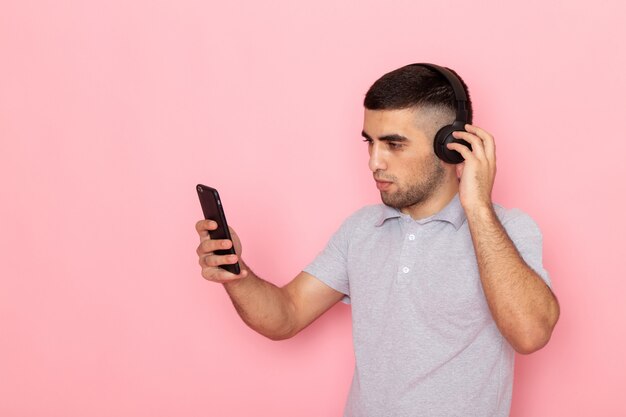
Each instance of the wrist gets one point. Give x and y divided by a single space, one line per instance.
479 210
245 275
234 283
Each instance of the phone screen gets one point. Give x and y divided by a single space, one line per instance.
213 210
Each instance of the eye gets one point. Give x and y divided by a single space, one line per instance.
368 141
394 145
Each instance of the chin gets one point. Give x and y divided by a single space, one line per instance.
391 202
399 203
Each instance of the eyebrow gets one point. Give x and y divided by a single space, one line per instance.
387 138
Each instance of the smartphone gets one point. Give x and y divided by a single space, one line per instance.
213 210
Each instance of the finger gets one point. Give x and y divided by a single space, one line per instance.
209 246
465 152
215 261
477 144
488 140
221 275
482 133
203 227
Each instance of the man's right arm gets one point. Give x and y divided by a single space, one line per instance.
275 312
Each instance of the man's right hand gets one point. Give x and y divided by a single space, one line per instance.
210 262
275 312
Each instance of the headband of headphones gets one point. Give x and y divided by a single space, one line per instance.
459 92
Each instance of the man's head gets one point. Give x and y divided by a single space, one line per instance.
404 109
415 86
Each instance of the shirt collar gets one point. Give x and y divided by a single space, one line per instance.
452 213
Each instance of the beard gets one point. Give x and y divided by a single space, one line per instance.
418 191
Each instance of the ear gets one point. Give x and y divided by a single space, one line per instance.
459 169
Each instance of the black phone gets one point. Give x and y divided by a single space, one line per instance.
213 210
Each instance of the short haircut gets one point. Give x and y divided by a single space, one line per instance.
414 86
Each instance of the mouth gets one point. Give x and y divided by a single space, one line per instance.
382 185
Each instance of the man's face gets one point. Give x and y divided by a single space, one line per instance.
404 165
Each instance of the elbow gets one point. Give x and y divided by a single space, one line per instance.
280 331
531 340
280 336
531 344
537 335
271 331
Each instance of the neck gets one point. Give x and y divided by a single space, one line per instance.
436 202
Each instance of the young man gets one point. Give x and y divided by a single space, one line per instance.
444 285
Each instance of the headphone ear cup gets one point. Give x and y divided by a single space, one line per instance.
442 138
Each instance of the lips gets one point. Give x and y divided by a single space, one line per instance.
382 185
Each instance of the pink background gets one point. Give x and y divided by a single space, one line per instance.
111 112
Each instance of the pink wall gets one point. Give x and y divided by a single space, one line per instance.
111 112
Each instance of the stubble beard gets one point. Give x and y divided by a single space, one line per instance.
418 192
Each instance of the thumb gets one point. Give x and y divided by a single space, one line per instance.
236 241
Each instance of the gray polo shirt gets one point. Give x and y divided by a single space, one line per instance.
424 340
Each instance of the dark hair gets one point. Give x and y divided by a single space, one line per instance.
413 86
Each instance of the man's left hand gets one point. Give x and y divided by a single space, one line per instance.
478 171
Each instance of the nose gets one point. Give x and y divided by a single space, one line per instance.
377 160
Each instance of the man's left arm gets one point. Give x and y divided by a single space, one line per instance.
522 305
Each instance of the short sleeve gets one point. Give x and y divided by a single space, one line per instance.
331 266
528 240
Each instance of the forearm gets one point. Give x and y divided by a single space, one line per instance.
264 307
522 305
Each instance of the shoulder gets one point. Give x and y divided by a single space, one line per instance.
516 221
366 216
356 226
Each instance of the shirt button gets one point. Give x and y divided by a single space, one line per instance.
411 237
405 270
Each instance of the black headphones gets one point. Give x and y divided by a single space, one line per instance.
444 135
